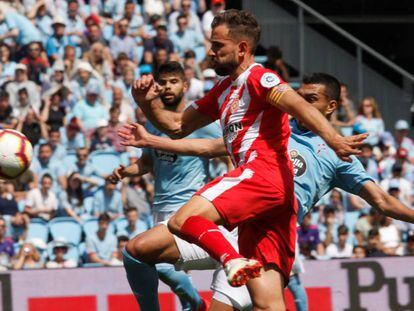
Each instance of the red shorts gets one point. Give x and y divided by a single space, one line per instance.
258 197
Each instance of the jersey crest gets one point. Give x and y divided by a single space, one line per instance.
298 162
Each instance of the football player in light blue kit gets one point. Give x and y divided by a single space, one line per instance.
317 171
177 178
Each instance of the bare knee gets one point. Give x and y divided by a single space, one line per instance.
175 223
142 249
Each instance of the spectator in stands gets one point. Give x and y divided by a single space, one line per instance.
45 164
340 249
390 237
336 201
159 41
112 129
344 115
138 195
7 117
398 182
53 113
31 125
36 62
135 225
374 244
57 81
329 228
135 21
6 246
193 20
90 111
195 89
121 42
22 81
85 169
402 140
60 248
161 56
125 83
108 200
210 79
185 39
409 247
28 256
8 205
150 29
276 63
42 202
359 252
71 200
369 120
367 159
53 138
122 242
127 113
217 6
366 223
84 77
38 14
102 247
70 60
71 136
91 36
55 46
100 139
308 235
19 28
7 66
101 62
74 23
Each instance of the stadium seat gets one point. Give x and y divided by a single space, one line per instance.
351 219
67 228
20 205
104 162
38 229
88 205
90 227
72 253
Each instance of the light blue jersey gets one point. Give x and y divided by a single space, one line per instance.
318 169
178 177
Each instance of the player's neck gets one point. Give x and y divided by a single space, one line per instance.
180 107
247 62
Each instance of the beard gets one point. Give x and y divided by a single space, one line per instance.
172 102
225 69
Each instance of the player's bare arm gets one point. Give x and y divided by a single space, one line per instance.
175 124
136 135
385 203
139 168
286 99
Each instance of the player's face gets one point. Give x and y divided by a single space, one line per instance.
315 94
223 51
173 88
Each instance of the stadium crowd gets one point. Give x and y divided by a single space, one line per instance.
66 70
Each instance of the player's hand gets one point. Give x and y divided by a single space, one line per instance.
117 175
347 146
135 135
145 90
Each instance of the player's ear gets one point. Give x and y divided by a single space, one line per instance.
185 85
243 48
332 106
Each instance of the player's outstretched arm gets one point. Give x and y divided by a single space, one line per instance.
137 136
145 92
286 99
385 203
139 168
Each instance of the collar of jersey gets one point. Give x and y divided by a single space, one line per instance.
242 78
295 129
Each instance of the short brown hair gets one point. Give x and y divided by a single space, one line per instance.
240 24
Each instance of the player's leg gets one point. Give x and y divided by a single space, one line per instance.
267 291
296 288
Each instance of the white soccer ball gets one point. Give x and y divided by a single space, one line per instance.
16 153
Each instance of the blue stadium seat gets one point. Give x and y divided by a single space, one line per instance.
315 216
67 228
88 205
70 159
90 227
72 253
20 205
38 229
351 219
104 162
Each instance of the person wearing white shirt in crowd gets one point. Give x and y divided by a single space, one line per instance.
42 202
193 20
341 249
60 248
390 237
216 7
398 182
401 140
195 86
118 100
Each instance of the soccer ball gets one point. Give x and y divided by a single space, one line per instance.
16 153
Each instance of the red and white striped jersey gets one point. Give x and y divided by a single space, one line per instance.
251 126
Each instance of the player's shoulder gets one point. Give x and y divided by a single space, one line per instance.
263 77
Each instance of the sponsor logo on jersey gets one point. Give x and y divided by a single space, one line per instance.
231 130
166 156
298 162
269 80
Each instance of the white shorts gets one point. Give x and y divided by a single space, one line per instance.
161 217
192 257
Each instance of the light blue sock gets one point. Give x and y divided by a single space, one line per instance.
143 280
181 285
